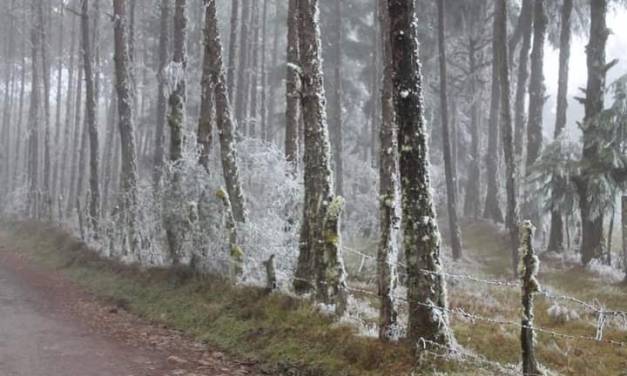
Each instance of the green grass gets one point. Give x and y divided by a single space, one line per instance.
283 332
287 334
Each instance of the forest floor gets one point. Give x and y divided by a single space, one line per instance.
129 312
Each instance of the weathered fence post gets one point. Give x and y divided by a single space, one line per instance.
624 221
529 286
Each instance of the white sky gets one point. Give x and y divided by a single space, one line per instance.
616 49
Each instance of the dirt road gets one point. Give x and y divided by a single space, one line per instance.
48 327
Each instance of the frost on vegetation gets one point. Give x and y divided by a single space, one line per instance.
173 74
560 314
605 272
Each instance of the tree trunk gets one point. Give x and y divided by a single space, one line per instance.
69 101
33 114
624 221
426 287
556 237
92 127
292 85
500 46
232 51
264 71
320 251
241 104
207 109
159 157
525 25
45 67
254 72
71 202
472 201
337 139
224 119
492 210
58 141
451 190
176 118
537 92
389 217
591 224
127 132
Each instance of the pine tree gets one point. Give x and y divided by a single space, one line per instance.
320 261
292 84
426 287
389 216
556 235
450 175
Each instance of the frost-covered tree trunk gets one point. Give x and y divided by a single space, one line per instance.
389 216
426 288
46 201
264 71
232 51
207 109
78 108
224 119
591 224
16 181
5 127
492 209
33 114
254 73
451 185
90 113
525 23
624 221
292 84
320 265
500 46
127 132
159 157
556 235
241 103
69 101
537 92
337 131
58 141
176 117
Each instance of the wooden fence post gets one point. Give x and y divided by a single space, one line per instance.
529 286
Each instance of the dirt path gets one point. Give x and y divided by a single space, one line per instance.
49 327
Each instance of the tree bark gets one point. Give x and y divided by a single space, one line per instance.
389 216
451 186
500 46
492 210
525 22
126 126
232 51
624 221
159 157
537 89
207 109
426 287
176 118
292 85
33 114
92 127
591 224
241 104
320 259
556 237
224 119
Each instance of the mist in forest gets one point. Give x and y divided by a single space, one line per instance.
347 187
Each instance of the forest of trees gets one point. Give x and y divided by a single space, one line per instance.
257 138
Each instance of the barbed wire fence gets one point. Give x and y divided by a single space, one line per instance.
595 313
